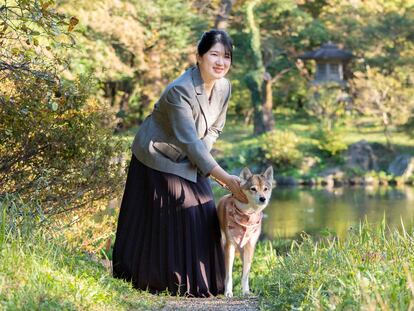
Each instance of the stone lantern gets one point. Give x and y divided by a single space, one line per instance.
330 63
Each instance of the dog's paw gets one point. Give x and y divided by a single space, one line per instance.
246 293
228 294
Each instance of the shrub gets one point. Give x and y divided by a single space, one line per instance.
56 144
330 143
280 148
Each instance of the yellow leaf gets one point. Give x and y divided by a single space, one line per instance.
45 5
72 23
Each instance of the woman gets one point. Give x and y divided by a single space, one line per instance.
168 235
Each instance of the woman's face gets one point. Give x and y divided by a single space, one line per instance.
215 63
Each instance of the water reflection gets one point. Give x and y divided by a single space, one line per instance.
295 210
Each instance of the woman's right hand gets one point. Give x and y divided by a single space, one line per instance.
233 183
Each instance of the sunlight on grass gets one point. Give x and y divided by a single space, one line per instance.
370 269
42 274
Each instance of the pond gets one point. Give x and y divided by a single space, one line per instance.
317 210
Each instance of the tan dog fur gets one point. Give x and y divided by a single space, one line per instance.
243 237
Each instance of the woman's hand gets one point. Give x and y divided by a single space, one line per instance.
232 182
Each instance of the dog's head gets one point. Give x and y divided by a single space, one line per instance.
257 187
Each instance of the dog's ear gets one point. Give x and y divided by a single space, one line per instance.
268 174
245 174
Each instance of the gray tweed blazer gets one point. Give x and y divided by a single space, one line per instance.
178 135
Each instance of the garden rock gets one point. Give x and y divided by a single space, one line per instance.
333 177
360 155
403 165
286 181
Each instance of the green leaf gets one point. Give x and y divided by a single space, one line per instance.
54 106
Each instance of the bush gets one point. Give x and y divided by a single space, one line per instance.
56 148
280 148
56 144
330 143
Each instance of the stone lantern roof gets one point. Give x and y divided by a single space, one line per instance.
330 63
328 51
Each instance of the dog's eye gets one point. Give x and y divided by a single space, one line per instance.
265 189
253 189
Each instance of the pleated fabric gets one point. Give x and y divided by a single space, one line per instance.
168 234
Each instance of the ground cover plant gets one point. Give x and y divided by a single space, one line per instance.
371 269
40 271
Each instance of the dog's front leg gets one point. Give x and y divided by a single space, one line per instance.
229 253
248 251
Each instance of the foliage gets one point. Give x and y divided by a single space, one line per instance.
56 145
370 268
40 271
378 32
330 142
56 149
327 103
408 127
280 148
94 232
134 48
33 36
386 97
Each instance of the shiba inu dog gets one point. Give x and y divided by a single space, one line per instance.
240 223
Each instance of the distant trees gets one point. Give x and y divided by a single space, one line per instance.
135 48
271 34
385 97
270 60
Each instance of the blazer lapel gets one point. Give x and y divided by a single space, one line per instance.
201 96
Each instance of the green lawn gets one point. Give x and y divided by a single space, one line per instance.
237 137
41 273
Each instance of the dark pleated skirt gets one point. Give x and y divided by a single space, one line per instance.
168 235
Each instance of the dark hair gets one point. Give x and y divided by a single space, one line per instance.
209 38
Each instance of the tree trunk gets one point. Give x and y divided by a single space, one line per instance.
152 77
223 15
255 78
268 120
387 132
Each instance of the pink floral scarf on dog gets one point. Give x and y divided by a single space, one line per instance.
242 226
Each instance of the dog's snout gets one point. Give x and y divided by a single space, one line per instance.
262 199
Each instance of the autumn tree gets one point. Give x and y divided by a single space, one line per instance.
384 97
135 48
54 146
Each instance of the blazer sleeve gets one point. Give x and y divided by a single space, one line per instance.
179 114
215 130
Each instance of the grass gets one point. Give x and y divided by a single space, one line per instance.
371 269
39 271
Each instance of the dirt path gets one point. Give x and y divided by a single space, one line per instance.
222 303
202 304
